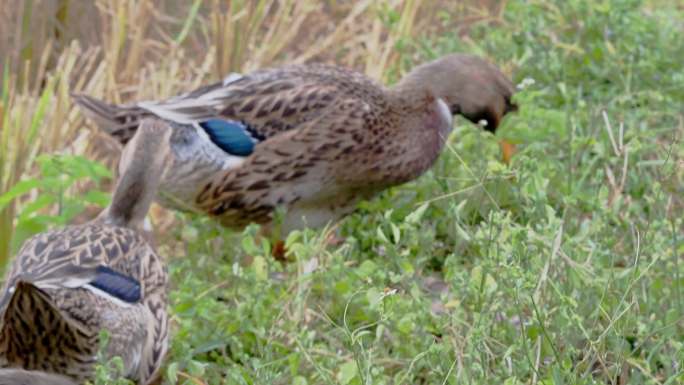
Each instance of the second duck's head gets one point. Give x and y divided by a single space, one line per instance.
469 85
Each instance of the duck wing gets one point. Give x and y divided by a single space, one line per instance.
242 110
99 279
103 260
299 164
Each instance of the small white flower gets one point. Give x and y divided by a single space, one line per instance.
389 292
237 270
525 83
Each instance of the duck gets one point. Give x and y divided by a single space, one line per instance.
32 377
66 286
310 140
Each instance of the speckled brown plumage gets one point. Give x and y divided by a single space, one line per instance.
325 137
33 377
53 307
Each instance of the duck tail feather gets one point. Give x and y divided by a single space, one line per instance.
120 122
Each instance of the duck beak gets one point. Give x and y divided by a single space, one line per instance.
507 151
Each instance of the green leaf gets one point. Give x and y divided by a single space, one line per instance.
406 324
260 268
366 269
381 235
511 381
249 245
196 368
347 372
415 216
41 202
99 198
18 190
396 233
374 297
172 373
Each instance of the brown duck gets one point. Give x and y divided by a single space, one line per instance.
65 286
313 139
32 377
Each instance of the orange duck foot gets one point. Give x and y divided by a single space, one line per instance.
279 252
507 151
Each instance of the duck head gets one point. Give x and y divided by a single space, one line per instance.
469 85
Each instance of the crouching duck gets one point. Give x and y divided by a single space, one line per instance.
32 377
313 139
66 286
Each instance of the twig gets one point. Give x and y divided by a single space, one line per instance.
609 128
191 378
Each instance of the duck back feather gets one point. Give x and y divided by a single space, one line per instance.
31 309
31 377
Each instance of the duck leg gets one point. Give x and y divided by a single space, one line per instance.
507 151
280 253
278 250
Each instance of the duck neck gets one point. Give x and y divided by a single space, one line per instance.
422 124
142 166
411 88
418 92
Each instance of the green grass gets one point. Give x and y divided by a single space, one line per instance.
564 267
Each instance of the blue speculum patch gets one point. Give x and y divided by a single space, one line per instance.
116 284
230 136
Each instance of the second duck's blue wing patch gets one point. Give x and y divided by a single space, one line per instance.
116 284
233 137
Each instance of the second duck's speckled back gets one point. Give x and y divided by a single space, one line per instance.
65 286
